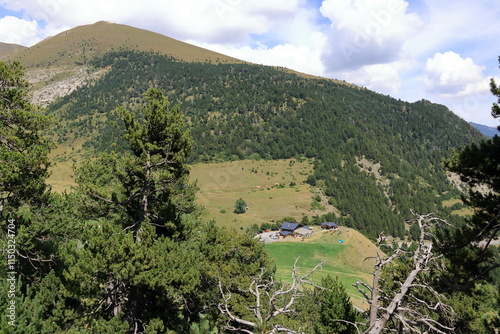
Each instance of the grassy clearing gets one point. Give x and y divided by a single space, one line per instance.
273 189
64 157
345 260
463 212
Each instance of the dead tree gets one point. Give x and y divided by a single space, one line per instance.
271 298
411 305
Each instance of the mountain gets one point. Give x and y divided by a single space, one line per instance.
7 50
488 131
59 64
376 158
81 44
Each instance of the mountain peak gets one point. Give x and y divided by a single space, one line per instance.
83 43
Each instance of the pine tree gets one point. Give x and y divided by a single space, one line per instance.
24 194
336 312
23 151
131 256
478 167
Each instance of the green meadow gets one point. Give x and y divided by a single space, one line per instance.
348 260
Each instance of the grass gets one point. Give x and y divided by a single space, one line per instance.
83 43
463 212
63 158
345 260
264 185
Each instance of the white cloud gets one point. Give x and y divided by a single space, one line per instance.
275 8
460 84
18 31
382 78
299 58
454 25
212 21
366 32
450 74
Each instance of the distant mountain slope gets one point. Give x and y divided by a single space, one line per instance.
377 158
7 49
488 131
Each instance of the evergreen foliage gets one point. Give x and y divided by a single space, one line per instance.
335 306
240 206
478 167
23 150
126 252
472 280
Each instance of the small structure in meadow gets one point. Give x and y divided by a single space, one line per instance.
303 231
329 226
288 229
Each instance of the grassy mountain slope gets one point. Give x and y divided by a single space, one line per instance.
58 65
84 43
7 49
273 189
376 158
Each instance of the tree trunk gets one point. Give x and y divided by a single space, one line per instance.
379 325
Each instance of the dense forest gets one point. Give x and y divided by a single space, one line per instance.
239 111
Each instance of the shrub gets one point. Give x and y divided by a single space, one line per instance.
240 206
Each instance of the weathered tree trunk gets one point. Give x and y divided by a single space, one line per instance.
409 316
375 296
380 323
132 317
114 296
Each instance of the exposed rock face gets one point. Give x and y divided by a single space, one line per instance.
48 84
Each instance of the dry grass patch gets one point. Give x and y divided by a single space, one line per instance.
64 158
273 189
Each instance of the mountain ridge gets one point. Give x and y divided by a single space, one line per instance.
9 49
82 43
488 131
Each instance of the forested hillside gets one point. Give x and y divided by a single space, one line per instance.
376 157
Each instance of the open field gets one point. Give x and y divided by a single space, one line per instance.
463 212
272 189
345 260
63 158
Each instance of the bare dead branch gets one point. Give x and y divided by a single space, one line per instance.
405 306
271 298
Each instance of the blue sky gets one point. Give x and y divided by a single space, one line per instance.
444 51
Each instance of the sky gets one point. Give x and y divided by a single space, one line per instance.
444 51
